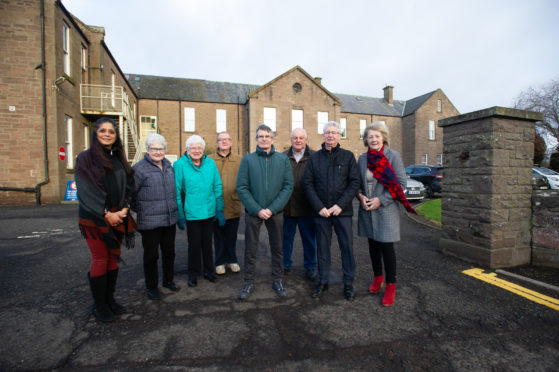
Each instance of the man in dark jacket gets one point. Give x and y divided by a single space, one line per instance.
331 181
264 184
298 211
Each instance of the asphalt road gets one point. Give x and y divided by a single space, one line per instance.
442 320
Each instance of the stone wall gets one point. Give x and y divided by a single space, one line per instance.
486 197
545 228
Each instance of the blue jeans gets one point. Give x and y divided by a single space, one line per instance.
342 227
308 236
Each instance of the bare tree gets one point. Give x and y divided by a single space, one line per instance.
544 99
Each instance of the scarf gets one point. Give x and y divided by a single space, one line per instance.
382 170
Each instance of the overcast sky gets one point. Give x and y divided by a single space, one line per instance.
481 53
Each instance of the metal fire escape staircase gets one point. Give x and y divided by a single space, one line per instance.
112 101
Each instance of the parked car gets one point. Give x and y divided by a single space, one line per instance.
551 175
539 182
429 175
414 189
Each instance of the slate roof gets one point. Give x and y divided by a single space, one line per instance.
193 90
369 105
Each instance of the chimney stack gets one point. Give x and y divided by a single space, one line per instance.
318 80
388 94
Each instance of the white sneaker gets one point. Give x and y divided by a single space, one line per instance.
220 269
234 267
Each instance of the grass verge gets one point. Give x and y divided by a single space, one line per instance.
431 210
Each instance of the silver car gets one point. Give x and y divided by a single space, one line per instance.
414 189
551 175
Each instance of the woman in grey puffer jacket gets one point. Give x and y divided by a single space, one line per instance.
155 202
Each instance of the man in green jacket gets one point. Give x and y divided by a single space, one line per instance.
264 185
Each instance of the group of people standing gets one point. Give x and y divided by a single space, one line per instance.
204 194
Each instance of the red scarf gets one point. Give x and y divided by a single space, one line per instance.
382 170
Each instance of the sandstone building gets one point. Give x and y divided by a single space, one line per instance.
58 76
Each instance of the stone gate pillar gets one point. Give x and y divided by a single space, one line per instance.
486 197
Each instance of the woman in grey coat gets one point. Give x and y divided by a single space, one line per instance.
383 179
155 202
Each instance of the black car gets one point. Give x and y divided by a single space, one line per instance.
539 182
430 175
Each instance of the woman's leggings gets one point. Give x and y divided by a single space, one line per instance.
101 259
380 252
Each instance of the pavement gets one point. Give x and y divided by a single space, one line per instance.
442 320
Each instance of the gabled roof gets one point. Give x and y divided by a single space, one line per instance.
333 96
415 103
194 90
370 106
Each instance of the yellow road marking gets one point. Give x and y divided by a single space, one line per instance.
491 278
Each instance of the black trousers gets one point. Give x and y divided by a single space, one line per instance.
225 242
380 252
200 250
252 240
152 240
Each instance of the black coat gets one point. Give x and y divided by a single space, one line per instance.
298 204
331 177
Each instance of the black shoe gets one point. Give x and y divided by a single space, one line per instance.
277 286
348 292
246 290
103 313
116 308
192 281
311 274
172 286
211 277
286 271
319 290
153 294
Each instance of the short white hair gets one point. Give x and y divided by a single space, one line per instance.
155 138
194 139
301 130
331 124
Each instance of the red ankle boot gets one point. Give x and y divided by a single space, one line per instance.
375 285
389 294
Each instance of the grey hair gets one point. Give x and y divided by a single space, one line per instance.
331 124
155 138
301 129
194 139
265 128
378 126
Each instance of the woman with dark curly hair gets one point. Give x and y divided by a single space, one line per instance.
105 185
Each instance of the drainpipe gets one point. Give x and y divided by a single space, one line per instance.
37 188
43 73
238 126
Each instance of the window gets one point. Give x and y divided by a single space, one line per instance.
148 125
431 130
270 117
221 120
440 159
343 126
66 47
424 159
83 61
69 149
322 119
439 106
362 126
189 119
85 136
296 119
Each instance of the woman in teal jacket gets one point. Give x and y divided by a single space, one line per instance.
200 201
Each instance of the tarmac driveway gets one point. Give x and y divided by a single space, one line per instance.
442 320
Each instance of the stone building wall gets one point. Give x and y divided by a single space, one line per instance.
545 228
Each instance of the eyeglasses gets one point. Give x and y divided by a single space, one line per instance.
223 139
156 149
331 132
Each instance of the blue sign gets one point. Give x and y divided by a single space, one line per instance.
71 191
